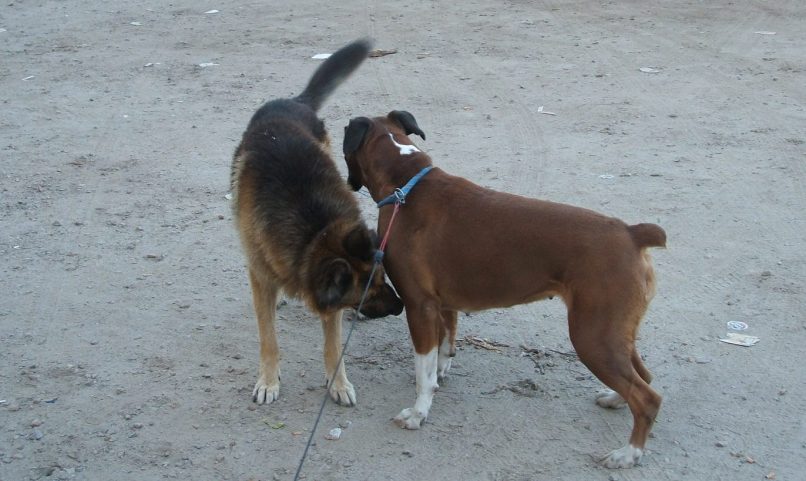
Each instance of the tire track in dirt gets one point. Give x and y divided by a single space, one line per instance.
444 67
740 44
527 156
734 42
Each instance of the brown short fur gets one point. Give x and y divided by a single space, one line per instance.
456 246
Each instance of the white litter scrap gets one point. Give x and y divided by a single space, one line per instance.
29 77
207 64
228 196
3 30
541 111
136 24
649 69
739 339
764 32
333 434
211 11
321 56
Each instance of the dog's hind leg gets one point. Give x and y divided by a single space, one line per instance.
341 390
447 343
607 398
638 364
264 296
608 351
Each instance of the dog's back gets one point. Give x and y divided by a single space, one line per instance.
301 110
286 188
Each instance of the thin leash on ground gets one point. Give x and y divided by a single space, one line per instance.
378 259
333 376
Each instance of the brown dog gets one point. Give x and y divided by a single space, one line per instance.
456 246
301 227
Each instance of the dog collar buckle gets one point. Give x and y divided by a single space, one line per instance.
400 196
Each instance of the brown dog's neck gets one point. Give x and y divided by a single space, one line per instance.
401 171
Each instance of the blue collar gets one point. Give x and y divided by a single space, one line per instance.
399 195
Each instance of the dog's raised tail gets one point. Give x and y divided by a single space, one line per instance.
647 235
333 72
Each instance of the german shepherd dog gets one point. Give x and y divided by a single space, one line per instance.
301 227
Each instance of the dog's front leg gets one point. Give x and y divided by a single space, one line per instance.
264 296
424 326
341 390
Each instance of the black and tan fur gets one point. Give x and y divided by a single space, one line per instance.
300 226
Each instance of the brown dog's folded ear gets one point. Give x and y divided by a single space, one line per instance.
359 244
354 134
407 121
332 283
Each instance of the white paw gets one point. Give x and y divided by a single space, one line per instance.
266 392
343 393
409 418
625 457
610 399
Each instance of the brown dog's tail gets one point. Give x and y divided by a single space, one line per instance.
333 72
647 235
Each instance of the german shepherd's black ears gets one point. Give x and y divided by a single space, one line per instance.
332 283
407 121
360 243
354 134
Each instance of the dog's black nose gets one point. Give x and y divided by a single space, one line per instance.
382 303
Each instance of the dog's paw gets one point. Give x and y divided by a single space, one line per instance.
610 399
343 393
625 457
409 418
266 392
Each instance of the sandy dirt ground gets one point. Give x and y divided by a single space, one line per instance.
128 346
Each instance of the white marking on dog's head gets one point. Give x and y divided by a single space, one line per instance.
404 149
